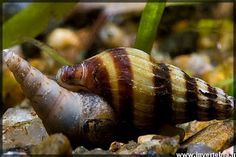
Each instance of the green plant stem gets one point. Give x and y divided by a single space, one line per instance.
173 4
50 51
149 22
33 20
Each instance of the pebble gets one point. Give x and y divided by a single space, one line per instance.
17 115
21 128
193 127
217 136
98 151
151 144
54 144
145 138
115 146
199 148
80 150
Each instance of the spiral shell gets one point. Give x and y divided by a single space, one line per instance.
85 118
145 93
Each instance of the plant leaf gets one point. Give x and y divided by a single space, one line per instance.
32 20
50 51
173 4
148 25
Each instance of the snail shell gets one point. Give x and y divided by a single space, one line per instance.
144 93
85 118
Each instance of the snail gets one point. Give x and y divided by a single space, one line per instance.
145 93
118 87
84 118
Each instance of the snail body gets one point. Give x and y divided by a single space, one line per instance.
144 93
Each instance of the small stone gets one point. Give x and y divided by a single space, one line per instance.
161 145
145 147
14 153
168 145
22 127
131 145
217 136
199 148
98 151
61 38
127 148
113 36
191 128
17 115
151 153
145 138
115 146
18 151
124 151
67 43
80 150
54 144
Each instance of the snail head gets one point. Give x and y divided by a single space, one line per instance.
71 77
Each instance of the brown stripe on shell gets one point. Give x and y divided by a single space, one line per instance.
226 99
191 98
163 93
211 95
207 102
97 78
125 84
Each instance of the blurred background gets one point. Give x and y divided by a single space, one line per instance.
198 38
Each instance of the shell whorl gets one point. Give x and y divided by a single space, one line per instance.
144 92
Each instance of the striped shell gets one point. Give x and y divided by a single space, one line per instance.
145 93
